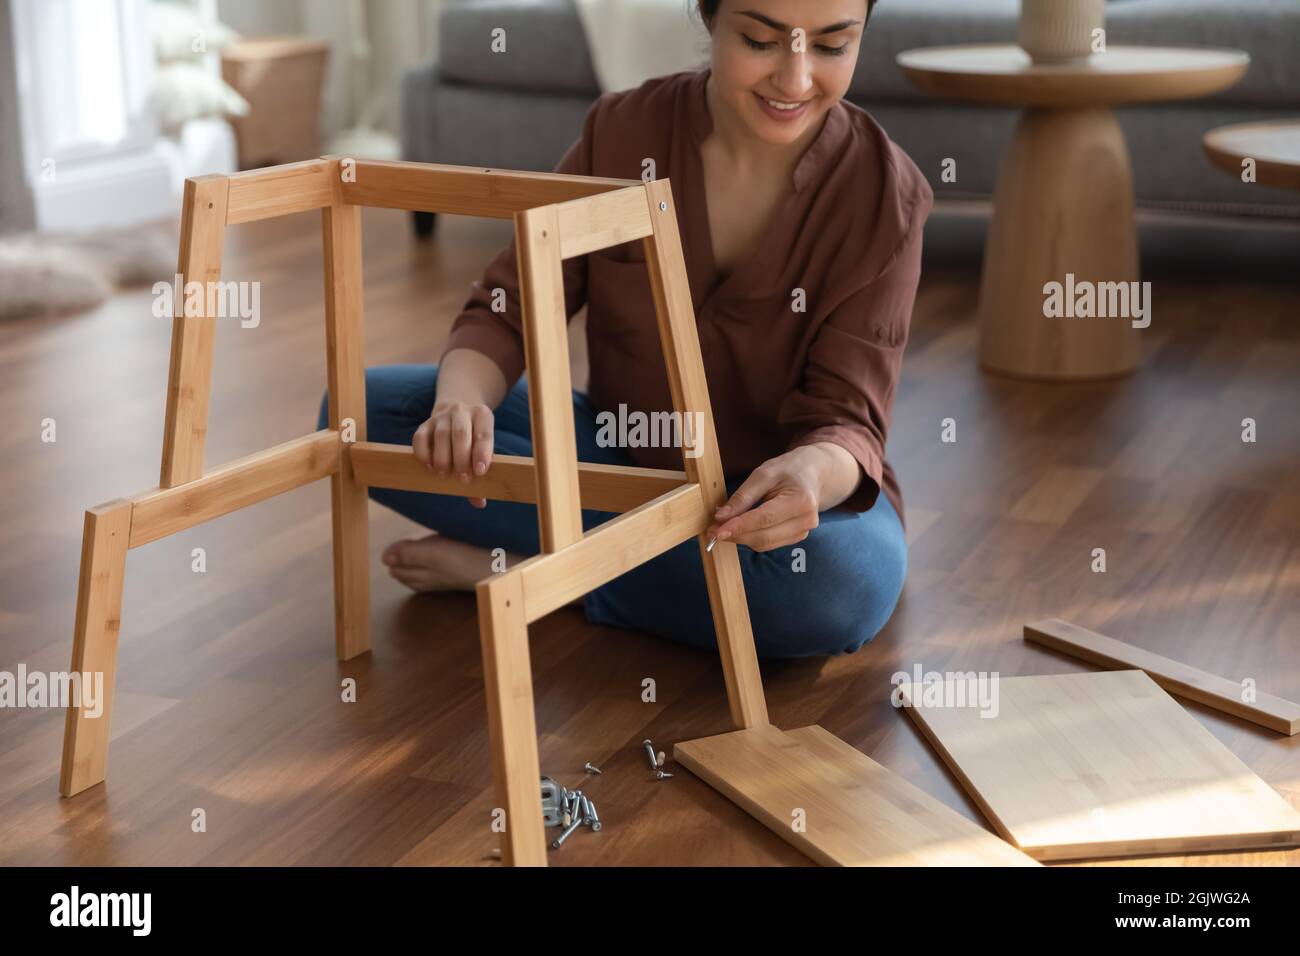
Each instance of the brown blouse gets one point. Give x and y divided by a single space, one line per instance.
848 235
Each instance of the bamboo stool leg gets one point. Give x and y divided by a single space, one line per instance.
94 641
512 731
349 497
512 726
690 391
189 380
546 354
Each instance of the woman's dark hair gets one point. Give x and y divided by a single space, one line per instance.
709 9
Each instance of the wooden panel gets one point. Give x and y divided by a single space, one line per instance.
189 379
237 484
345 361
550 388
512 721
466 190
616 488
280 190
617 546
1107 764
854 811
681 349
1174 676
598 222
94 642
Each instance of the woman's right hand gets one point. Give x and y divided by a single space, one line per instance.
457 438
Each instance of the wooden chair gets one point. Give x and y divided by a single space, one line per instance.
556 217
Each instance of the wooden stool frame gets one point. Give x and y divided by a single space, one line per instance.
556 217
854 810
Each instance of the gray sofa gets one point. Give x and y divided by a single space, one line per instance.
523 110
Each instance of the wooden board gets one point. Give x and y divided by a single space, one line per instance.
855 812
1078 766
1275 713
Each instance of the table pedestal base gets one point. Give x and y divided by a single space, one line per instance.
1064 205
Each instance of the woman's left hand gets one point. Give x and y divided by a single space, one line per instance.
786 490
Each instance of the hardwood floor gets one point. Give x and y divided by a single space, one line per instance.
228 693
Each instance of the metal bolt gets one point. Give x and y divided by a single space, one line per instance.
559 841
650 752
660 775
589 811
590 769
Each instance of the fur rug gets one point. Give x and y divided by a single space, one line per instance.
49 275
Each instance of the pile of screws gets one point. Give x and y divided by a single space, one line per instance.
572 809
578 809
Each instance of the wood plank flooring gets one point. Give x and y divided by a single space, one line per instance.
229 693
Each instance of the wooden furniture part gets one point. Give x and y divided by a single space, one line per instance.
838 805
1063 204
1079 766
555 217
1275 148
1269 711
282 78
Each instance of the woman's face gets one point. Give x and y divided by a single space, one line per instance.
780 65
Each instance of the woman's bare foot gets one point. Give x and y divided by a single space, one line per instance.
439 563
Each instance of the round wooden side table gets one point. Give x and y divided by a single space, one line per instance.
1063 205
1275 148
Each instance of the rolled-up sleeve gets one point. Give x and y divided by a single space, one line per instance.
846 395
499 334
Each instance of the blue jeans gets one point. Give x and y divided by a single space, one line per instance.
828 594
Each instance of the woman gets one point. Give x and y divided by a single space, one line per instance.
801 225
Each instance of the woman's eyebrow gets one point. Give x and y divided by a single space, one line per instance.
785 27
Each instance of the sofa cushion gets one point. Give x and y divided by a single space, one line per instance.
1269 30
546 49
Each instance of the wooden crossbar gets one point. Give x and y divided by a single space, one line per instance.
551 581
616 488
601 221
280 190
1220 693
235 485
465 190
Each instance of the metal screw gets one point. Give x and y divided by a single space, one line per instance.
590 769
660 775
589 811
663 207
650 752
559 841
